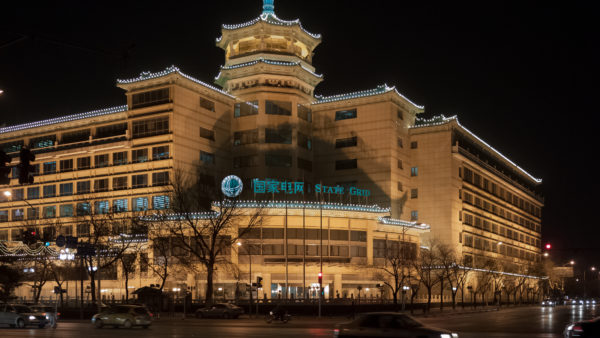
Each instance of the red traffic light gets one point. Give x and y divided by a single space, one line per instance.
548 246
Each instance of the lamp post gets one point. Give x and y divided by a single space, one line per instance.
593 268
239 244
404 291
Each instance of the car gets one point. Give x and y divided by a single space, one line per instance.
548 302
590 302
20 316
584 328
220 310
126 316
388 324
48 310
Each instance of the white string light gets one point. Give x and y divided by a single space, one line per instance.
381 89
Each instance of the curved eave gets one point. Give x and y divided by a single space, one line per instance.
298 65
380 90
445 120
404 224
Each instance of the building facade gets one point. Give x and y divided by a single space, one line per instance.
266 123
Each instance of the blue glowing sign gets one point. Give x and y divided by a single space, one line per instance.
270 186
232 186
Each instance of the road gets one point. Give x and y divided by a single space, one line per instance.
513 322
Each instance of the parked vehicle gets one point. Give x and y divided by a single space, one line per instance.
388 324
20 316
220 310
126 316
584 328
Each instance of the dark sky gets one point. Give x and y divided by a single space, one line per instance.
522 76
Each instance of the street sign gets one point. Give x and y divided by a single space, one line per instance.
60 241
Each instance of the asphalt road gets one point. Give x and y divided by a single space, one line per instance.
513 322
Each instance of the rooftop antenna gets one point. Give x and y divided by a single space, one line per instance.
268 7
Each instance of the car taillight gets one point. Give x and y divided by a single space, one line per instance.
336 332
577 328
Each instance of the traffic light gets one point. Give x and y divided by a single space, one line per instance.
259 282
548 246
320 278
29 237
25 167
4 169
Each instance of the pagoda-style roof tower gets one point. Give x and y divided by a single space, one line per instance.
268 51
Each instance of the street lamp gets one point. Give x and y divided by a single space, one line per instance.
239 244
593 268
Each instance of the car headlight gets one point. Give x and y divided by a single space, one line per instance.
543 303
47 317
31 317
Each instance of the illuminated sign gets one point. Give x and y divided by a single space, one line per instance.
270 186
232 186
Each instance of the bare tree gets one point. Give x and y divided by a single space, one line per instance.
394 272
484 279
458 275
427 269
447 260
10 278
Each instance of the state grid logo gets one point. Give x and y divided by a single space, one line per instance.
232 186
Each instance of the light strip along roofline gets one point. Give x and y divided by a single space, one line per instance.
441 119
381 89
271 62
270 18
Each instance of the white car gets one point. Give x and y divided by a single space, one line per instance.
20 316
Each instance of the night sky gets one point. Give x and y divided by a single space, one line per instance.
523 77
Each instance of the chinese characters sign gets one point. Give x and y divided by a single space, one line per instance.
271 186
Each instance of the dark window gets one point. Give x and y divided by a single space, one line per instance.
346 142
245 109
83 229
138 181
101 207
281 136
111 130
245 161
159 153
101 161
304 164
83 187
245 137
414 193
278 108
101 185
139 155
150 98
304 141
272 233
12 147
207 158
150 127
66 210
33 193
414 145
400 186
358 236
278 160
3 215
120 158
345 114
49 191
66 189
120 183
400 142
49 211
42 142
84 162
400 166
66 165
18 194
33 213
75 136
304 113
207 134
338 235
161 178
346 164
207 104
83 209
49 167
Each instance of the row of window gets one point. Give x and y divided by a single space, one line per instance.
272 107
85 208
499 211
299 233
278 136
498 229
498 191
272 160
504 249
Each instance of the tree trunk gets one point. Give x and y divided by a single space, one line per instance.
441 295
92 275
126 287
428 298
453 300
209 282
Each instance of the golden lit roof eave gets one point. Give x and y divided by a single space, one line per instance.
379 90
441 120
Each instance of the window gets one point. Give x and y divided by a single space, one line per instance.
150 127
83 187
111 130
207 134
339 235
245 108
272 233
18 194
101 185
245 137
139 204
207 158
400 142
66 210
414 171
358 251
84 163
3 235
18 215
33 213
304 164
42 142
207 104
278 108
160 178
50 167
160 202
400 114
160 153
272 160
150 98
120 158
75 136
138 181
414 145
304 141
346 164
304 113
346 142
379 247
400 188
120 205
66 165
12 147
83 229
339 250
281 136
49 191
273 249
345 114
83 209
101 161
245 161
119 183
49 211
3 215
66 189
414 215
358 236
33 193
414 193
101 207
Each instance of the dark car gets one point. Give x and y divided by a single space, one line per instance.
16 315
548 302
388 324
49 311
584 328
220 310
126 316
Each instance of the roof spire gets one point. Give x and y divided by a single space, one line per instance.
268 7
